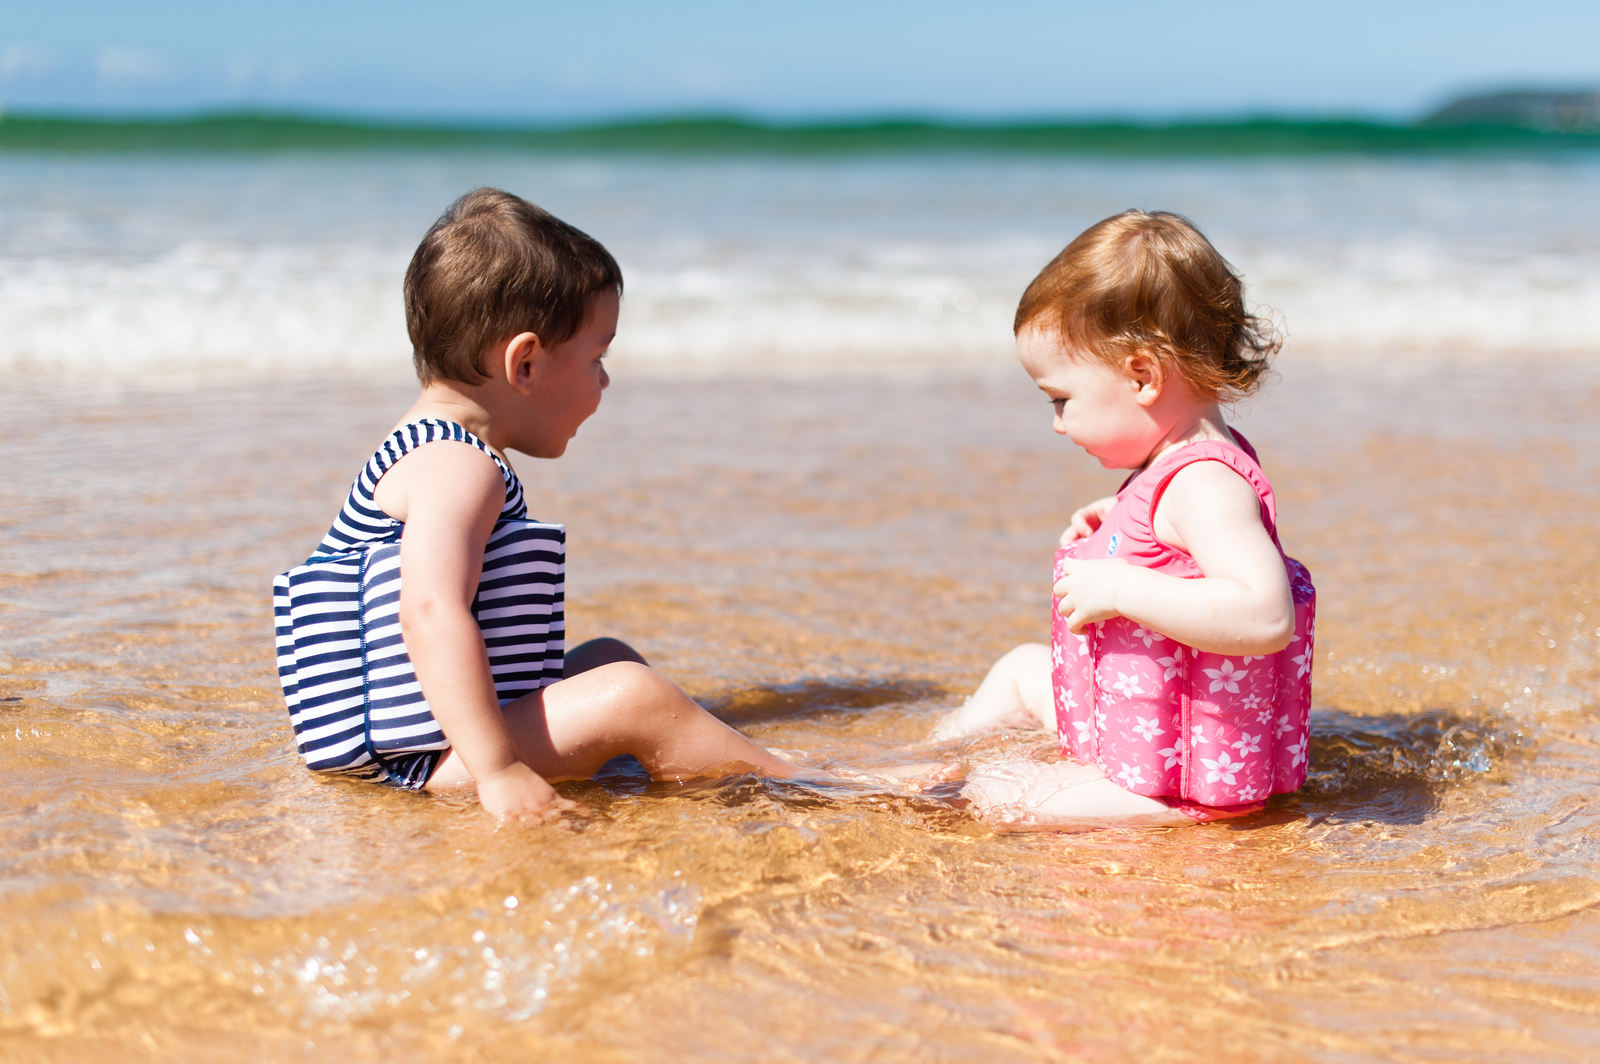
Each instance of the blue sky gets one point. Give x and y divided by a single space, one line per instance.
579 59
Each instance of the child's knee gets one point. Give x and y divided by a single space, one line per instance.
1023 664
635 695
1028 655
1029 669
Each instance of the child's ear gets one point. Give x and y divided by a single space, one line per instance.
1147 375
519 360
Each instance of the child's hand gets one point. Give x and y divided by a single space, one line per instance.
517 790
1086 519
1087 590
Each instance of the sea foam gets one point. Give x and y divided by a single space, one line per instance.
292 264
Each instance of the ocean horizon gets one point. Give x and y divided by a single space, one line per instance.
251 129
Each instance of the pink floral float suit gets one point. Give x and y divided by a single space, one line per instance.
1209 734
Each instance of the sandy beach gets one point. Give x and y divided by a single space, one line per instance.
822 497
829 560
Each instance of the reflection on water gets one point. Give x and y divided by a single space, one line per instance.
830 568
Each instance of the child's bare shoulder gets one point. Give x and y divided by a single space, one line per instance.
1206 499
446 476
1209 483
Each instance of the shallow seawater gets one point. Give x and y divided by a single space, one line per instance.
829 563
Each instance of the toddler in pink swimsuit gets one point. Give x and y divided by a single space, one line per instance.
1178 678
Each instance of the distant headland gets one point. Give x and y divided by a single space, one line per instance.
1570 111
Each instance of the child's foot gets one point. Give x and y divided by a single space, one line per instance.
950 728
918 776
964 723
1025 794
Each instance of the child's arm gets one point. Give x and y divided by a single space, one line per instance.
1241 606
449 498
1086 519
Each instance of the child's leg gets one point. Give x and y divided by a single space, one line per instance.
1035 794
575 725
1015 694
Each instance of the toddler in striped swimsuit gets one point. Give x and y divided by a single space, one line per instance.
457 675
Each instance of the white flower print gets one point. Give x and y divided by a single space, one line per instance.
1249 793
1283 725
1058 657
1127 684
1082 728
1298 750
1225 677
1223 768
1144 635
1148 728
1198 731
1264 717
1251 701
1247 744
1172 754
1066 699
1170 666
1131 775
1302 662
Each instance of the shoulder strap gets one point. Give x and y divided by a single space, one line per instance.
414 434
1241 459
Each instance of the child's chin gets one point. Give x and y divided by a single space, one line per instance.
1104 459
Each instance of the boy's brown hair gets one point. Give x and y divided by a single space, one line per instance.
1151 282
493 266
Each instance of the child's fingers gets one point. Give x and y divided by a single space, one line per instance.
566 807
1077 620
1083 524
557 810
1063 585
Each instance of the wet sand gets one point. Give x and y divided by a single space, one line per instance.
830 563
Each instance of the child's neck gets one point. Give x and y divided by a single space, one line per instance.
466 405
1190 422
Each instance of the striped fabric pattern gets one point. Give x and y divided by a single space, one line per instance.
354 701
